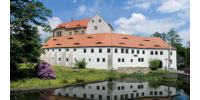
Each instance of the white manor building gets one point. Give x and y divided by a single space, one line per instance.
121 91
107 50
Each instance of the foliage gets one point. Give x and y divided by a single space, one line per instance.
45 71
30 65
162 36
81 64
154 84
47 39
111 74
79 80
154 63
25 42
92 71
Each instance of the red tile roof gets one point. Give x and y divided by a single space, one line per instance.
106 39
75 24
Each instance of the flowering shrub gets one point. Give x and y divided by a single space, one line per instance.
45 71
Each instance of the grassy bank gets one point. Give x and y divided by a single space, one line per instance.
161 71
64 76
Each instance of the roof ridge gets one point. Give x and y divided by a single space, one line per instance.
76 20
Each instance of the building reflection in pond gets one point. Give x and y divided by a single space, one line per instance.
116 91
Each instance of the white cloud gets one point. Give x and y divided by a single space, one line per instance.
185 35
130 2
53 22
138 23
74 1
169 6
144 5
82 9
185 14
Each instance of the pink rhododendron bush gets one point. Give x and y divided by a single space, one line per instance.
45 71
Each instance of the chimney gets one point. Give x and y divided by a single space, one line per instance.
72 20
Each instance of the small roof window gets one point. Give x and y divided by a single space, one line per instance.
60 26
89 37
46 45
78 25
99 43
70 38
156 45
124 38
121 43
141 44
55 39
146 40
77 43
58 44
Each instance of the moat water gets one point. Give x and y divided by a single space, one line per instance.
120 89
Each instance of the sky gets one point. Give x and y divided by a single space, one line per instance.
132 17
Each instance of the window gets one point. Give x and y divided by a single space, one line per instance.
95 27
155 92
122 96
89 87
99 20
82 32
170 92
132 95
100 96
122 87
97 87
115 50
92 21
74 95
160 93
138 86
122 50
151 92
67 49
97 59
142 93
115 98
132 51
156 52
92 95
142 85
103 87
58 34
92 50
131 86
100 50
108 97
75 32
118 87
161 52
108 50
122 59
137 94
171 53
103 59
52 57
84 95
118 59
66 59
59 59
126 50
84 50
59 49
75 59
52 49
138 51
74 49
151 52
70 33
143 52
131 60
140 59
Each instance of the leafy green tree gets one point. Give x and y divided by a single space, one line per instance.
25 16
154 63
157 34
175 38
45 41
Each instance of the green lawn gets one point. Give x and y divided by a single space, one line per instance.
162 71
64 75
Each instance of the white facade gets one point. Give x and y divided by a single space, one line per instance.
91 58
101 25
121 91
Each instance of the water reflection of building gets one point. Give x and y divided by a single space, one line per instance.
120 90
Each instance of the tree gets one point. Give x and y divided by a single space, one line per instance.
47 39
157 34
175 38
25 16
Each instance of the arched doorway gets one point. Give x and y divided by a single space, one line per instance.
160 65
